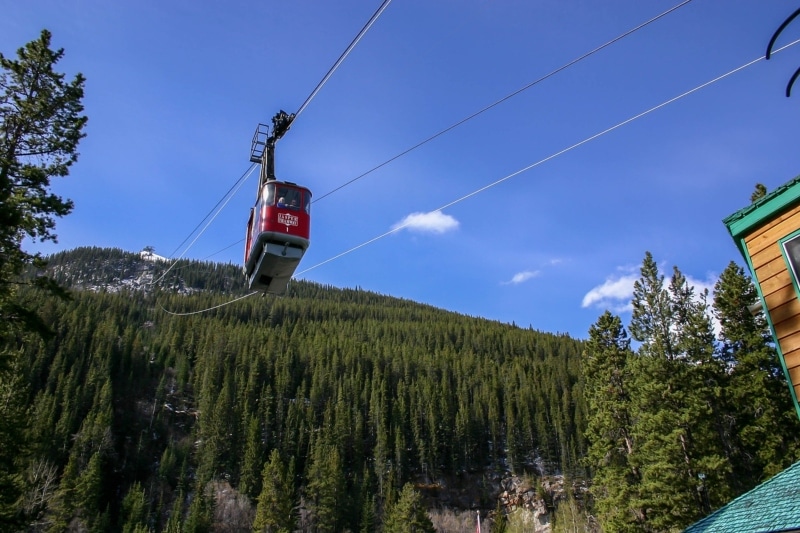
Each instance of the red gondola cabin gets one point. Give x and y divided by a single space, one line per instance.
277 235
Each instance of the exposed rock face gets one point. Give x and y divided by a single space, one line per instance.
531 501
114 271
532 504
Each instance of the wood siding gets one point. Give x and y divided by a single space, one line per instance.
775 280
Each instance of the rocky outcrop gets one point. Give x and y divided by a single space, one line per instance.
530 500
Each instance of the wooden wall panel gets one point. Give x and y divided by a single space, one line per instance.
780 297
774 265
771 232
792 359
794 375
777 220
785 311
764 256
775 284
785 329
789 337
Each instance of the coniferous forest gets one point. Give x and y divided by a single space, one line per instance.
357 393
346 410
139 395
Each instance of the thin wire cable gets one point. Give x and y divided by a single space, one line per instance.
397 228
243 176
240 241
475 114
509 96
230 196
324 80
339 61
210 308
553 156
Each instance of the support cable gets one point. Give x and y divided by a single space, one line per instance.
339 61
553 156
473 115
243 176
241 181
513 174
230 196
507 97
327 76
210 308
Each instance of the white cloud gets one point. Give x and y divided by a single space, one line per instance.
521 277
433 222
614 294
701 285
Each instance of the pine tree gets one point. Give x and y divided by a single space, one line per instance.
201 511
276 510
761 433
500 521
12 447
135 510
610 425
325 490
63 506
89 490
368 521
252 458
175 520
759 192
675 381
40 128
408 515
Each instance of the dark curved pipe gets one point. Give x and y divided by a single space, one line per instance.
778 32
791 82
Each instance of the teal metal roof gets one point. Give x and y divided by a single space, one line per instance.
771 507
744 220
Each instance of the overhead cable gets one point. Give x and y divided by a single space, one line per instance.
479 112
229 195
339 61
210 308
243 177
325 78
397 228
507 97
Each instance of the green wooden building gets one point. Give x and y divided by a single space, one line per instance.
768 235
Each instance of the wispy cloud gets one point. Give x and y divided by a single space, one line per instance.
521 277
614 294
701 285
433 222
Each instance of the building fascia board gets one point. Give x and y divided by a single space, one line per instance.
743 221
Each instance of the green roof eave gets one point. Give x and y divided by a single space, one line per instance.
772 507
745 220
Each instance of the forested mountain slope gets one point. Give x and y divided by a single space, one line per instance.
140 415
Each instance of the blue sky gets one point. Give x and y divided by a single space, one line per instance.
175 90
